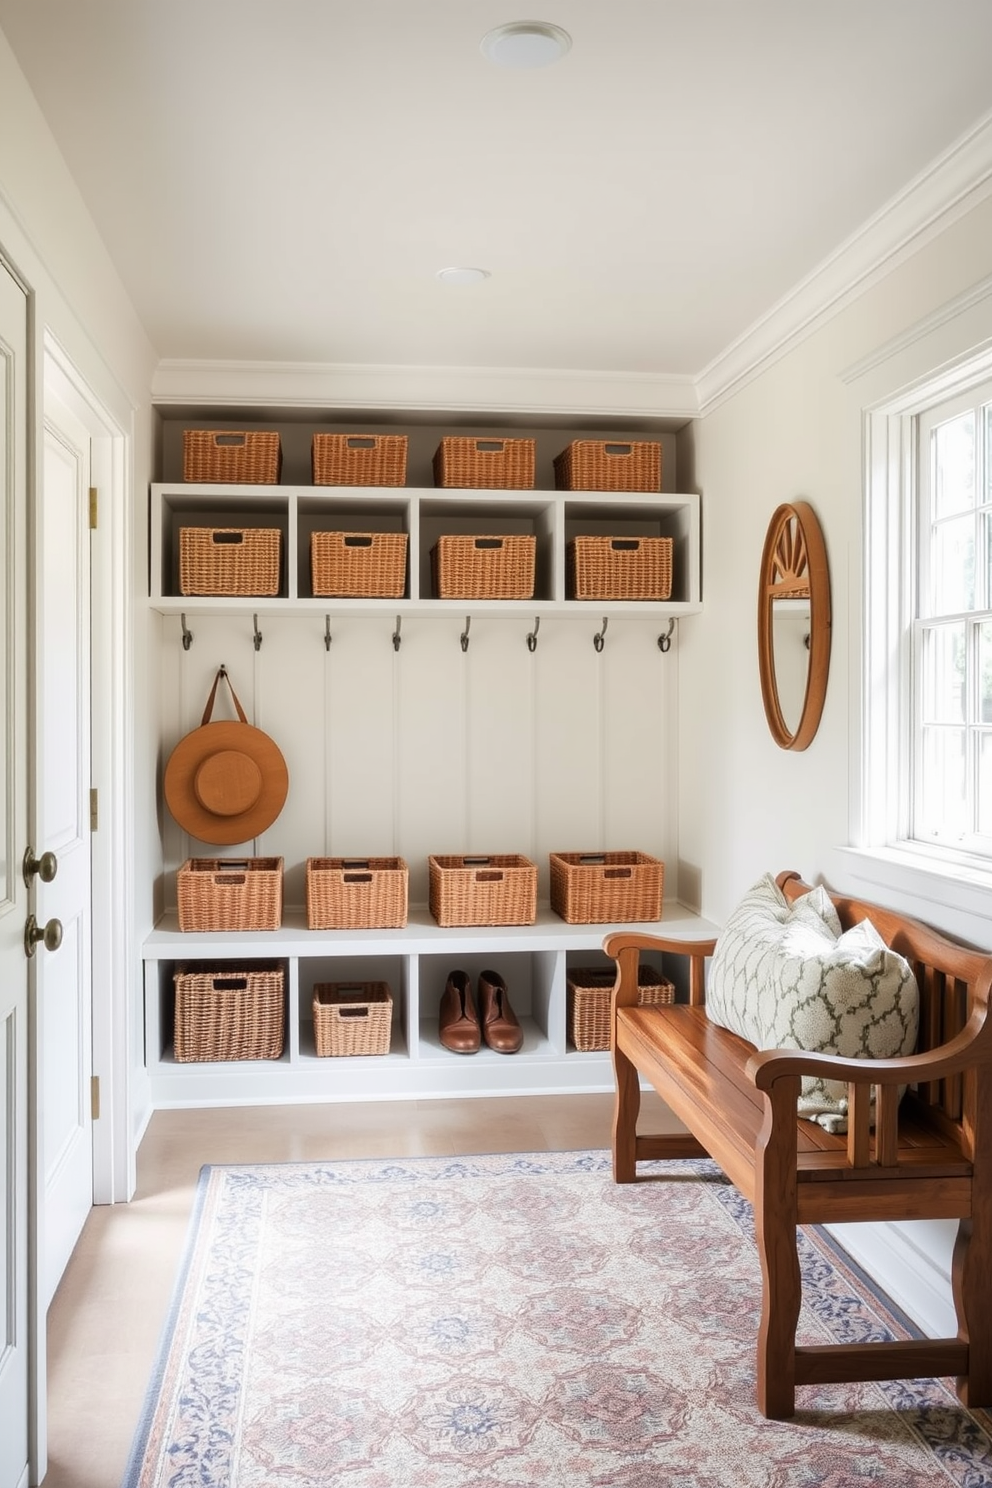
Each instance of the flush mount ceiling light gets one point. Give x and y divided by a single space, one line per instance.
462 275
525 44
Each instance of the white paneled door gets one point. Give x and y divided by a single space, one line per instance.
61 824
15 1351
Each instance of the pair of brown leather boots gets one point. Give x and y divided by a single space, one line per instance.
462 1028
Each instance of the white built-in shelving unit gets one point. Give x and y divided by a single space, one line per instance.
532 792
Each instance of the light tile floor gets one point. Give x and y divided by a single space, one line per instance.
106 1317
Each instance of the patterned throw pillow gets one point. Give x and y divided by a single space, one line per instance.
787 977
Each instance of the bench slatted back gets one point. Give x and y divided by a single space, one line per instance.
950 978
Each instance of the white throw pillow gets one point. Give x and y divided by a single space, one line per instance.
786 977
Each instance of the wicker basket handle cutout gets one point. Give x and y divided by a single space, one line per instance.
623 450
617 873
357 878
625 544
235 441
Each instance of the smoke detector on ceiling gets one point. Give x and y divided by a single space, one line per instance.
525 44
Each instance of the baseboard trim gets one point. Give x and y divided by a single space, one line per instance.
915 1280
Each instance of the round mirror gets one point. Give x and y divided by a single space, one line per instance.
794 625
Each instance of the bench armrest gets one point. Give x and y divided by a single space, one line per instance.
625 947
972 1046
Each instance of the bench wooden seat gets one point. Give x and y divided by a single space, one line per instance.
924 1158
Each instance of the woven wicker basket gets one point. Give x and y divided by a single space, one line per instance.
358 459
357 893
229 1012
497 890
590 996
485 464
352 1017
602 465
620 568
358 565
484 567
229 560
234 456
229 894
608 887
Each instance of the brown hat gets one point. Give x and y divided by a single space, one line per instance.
225 782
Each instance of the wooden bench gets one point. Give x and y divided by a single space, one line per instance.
928 1157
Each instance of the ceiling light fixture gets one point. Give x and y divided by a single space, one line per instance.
525 44
462 275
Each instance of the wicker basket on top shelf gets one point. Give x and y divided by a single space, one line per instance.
485 464
358 459
357 893
229 894
250 457
607 465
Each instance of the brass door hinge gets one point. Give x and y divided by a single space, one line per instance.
95 1097
94 810
93 507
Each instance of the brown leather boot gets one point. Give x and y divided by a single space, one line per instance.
458 1022
500 1028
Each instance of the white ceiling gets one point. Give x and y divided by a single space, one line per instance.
280 180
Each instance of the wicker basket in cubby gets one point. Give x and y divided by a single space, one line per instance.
357 893
358 565
229 894
352 1018
607 887
608 465
358 459
590 995
619 568
496 890
229 1012
485 464
250 457
229 560
484 567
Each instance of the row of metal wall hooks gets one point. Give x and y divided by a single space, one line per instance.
598 640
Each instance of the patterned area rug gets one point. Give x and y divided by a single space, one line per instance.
506 1322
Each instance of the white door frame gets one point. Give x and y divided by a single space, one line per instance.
115 1031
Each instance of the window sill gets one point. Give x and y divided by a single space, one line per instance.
956 899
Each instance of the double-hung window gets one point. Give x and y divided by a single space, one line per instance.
950 797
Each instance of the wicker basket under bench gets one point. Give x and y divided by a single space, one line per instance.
227 1012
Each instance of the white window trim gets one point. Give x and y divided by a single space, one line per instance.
948 887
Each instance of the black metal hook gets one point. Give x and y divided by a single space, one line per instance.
327 632
532 635
665 641
599 639
187 634
396 633
464 634
257 637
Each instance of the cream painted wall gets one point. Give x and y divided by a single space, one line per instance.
794 432
745 806
48 238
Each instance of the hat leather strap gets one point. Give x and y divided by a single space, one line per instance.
208 710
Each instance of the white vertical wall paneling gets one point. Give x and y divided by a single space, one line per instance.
361 816
499 705
432 766
638 702
568 739
290 670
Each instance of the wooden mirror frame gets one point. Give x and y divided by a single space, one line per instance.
794 566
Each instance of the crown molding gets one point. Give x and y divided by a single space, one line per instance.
513 391
946 190
953 184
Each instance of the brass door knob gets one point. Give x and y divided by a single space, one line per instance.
49 935
46 866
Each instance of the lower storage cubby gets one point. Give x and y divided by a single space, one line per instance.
358 972
531 979
415 962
